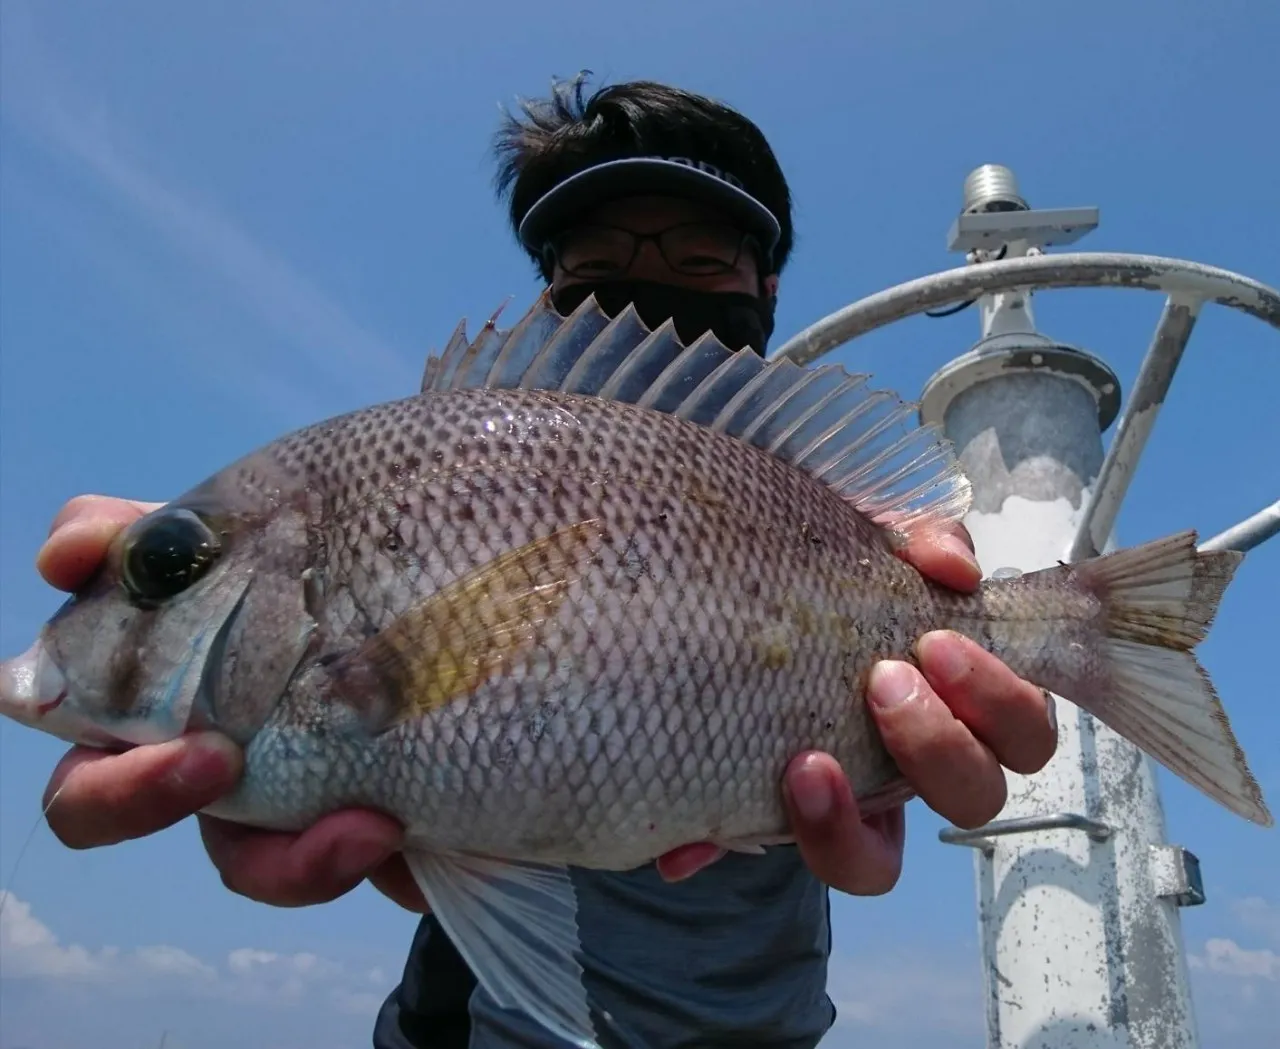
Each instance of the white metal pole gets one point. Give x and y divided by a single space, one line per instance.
1078 890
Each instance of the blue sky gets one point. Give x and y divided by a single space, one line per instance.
223 221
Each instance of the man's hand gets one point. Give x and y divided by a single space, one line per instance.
950 726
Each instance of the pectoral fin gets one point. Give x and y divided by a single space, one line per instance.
446 646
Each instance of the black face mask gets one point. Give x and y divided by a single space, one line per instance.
735 318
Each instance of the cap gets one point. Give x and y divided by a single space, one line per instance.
635 176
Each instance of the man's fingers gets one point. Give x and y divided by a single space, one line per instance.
87 506
1013 717
953 771
326 861
857 856
688 860
394 881
103 799
79 537
945 555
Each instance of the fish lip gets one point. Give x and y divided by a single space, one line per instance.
50 705
32 684
51 708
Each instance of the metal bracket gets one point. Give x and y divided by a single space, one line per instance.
1175 875
1042 228
980 837
1175 871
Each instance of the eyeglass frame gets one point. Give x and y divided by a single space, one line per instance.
551 254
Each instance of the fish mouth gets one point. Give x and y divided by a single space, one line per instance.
31 685
51 704
33 691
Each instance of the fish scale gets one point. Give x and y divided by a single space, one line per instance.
720 638
578 603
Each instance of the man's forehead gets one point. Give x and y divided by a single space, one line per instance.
647 213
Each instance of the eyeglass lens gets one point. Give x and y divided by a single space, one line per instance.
696 249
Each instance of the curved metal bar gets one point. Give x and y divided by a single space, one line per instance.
1136 423
980 837
1189 281
1252 531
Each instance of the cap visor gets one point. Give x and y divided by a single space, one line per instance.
644 176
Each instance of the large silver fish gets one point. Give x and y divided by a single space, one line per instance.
578 603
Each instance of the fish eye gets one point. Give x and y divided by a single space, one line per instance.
166 553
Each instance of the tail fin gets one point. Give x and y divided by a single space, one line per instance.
1159 601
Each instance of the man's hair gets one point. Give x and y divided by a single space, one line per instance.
552 138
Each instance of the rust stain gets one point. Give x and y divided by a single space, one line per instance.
775 654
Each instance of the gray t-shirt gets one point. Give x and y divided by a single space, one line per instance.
735 956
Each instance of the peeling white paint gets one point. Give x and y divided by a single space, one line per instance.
1079 950
1025 533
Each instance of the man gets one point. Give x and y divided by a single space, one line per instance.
647 194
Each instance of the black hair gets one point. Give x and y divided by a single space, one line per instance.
552 138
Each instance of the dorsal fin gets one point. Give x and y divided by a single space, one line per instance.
865 444
433 374
474 364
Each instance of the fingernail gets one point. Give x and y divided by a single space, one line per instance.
891 684
1052 704
953 544
209 761
356 856
940 649
811 792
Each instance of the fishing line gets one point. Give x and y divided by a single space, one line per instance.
7 891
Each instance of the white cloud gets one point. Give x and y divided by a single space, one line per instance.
245 959
1259 922
907 998
171 961
1234 977
1228 958
30 950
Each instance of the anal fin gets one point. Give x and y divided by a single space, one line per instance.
754 846
516 925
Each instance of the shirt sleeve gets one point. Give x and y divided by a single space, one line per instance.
429 1007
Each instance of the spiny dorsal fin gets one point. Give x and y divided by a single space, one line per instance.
474 364
433 373
865 444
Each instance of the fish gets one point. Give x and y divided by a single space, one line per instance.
576 603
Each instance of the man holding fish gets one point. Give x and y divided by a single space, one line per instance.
647 195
